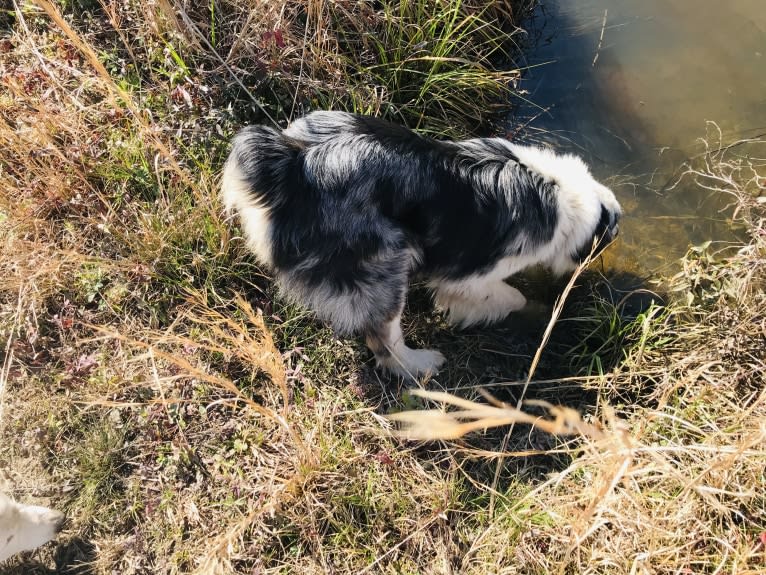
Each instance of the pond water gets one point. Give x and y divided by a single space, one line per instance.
631 86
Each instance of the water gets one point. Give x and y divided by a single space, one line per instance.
630 86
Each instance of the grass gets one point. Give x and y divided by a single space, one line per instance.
672 480
189 421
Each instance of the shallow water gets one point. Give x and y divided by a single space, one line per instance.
632 86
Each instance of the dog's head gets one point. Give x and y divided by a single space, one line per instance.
588 212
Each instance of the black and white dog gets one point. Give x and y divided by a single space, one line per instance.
346 208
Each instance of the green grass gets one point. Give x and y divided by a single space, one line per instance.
185 429
430 65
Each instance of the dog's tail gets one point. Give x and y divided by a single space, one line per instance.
257 168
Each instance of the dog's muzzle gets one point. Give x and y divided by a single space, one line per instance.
612 231
606 231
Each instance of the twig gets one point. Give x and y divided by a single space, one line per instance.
546 336
600 39
193 27
5 369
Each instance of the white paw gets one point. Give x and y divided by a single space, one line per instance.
413 362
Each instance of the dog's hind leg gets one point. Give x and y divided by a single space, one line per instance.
477 300
371 305
391 353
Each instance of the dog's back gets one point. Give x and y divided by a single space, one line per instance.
25 527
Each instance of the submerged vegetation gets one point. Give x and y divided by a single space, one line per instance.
188 421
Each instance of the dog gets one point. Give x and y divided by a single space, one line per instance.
345 209
25 527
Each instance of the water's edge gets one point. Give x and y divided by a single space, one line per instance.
633 87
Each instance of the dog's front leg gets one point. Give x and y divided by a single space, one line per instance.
478 301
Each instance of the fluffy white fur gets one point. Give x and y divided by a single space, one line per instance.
479 299
254 217
25 527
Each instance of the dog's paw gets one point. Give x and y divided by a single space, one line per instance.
413 362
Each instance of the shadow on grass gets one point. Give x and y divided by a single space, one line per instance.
599 323
71 557
586 339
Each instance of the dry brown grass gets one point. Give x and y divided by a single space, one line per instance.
673 482
137 392
187 430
